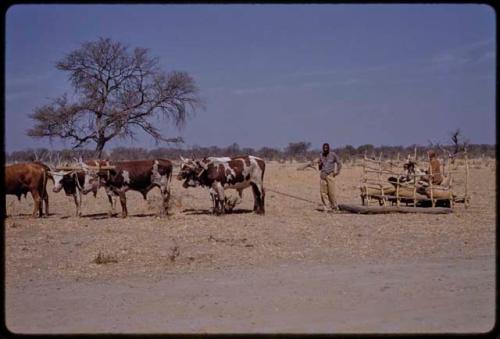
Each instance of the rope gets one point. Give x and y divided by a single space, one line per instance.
285 194
291 196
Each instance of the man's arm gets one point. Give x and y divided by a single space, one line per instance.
339 164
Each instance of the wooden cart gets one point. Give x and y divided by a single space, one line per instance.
375 186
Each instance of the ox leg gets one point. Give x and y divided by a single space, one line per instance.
217 192
221 198
37 204
112 203
123 202
46 200
213 197
78 203
240 195
258 195
165 194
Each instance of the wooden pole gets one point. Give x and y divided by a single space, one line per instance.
364 200
466 201
451 190
398 201
449 174
431 178
380 178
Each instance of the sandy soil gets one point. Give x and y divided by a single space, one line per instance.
294 270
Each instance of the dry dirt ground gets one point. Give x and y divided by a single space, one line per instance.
294 270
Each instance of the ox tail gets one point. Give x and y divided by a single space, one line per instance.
262 166
45 177
169 176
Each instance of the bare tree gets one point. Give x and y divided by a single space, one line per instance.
297 149
459 142
118 93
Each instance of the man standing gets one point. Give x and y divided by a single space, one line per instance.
329 166
434 171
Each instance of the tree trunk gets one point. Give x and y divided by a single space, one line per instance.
99 148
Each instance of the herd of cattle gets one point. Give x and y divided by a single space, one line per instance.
117 177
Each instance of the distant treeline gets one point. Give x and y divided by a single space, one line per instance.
299 151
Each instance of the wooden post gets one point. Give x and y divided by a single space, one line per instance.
450 182
398 202
365 200
431 177
380 178
450 178
466 197
414 190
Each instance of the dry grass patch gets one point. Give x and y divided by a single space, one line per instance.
105 258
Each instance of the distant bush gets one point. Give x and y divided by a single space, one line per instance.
300 151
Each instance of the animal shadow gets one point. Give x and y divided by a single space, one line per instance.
144 215
194 211
98 216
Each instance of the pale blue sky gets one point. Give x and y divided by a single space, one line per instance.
273 74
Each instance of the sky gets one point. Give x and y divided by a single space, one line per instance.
273 74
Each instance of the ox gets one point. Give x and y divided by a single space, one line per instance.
29 177
139 175
219 174
72 182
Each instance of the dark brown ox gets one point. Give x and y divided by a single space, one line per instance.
138 175
72 181
29 177
219 174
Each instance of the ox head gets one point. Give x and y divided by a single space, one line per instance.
60 178
92 180
190 171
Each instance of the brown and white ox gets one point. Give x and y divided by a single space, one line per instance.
72 182
222 173
136 175
29 177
